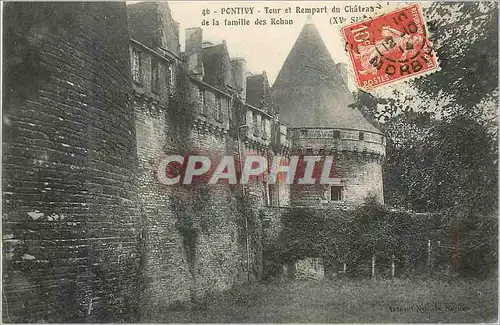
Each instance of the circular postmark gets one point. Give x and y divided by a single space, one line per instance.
390 47
401 40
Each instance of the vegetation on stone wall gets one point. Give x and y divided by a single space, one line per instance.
181 111
186 202
355 236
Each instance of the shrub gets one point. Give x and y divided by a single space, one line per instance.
355 236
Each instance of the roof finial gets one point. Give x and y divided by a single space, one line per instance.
309 19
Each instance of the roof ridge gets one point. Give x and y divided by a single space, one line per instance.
310 90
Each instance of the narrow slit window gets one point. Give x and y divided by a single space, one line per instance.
255 126
263 128
270 194
136 66
229 109
218 109
171 77
155 77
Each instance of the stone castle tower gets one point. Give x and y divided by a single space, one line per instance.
313 99
69 156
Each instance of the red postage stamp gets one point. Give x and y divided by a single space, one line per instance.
390 48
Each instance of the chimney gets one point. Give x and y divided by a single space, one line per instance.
168 28
193 51
151 24
239 70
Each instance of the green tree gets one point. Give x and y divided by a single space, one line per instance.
465 37
441 152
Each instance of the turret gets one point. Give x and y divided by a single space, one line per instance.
313 98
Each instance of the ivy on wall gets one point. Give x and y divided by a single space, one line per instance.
355 236
181 112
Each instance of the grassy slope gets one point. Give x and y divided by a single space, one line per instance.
348 301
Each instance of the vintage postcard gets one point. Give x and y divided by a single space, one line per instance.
250 162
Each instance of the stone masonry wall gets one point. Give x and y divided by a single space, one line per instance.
360 179
162 257
193 236
357 157
69 153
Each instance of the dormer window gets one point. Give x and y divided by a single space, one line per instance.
171 77
155 77
202 99
136 66
255 125
229 110
218 109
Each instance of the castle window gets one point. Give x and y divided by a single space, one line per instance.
336 134
202 100
336 193
255 126
171 77
155 77
263 128
204 103
218 109
229 110
200 95
303 133
361 136
136 66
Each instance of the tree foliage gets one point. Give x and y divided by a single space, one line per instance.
445 157
465 37
434 165
441 129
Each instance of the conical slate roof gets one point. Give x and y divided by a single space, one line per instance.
310 90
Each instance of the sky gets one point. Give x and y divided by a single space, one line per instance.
265 48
